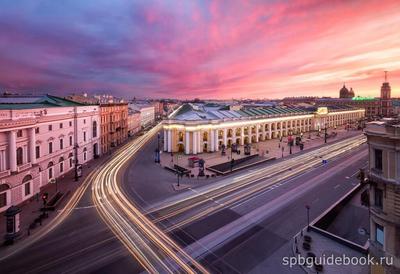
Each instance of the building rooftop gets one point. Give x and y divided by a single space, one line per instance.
388 127
196 112
29 102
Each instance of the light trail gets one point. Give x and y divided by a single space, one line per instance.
152 248
249 184
62 215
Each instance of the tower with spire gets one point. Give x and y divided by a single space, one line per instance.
386 101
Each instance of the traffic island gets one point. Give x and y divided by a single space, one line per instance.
235 165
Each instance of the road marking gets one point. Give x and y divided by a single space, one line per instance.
316 200
336 186
347 177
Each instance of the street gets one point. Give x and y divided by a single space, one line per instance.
92 247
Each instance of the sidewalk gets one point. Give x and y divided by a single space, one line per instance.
30 209
269 149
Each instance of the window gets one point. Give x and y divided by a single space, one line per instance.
3 195
84 154
379 234
50 170
84 121
61 143
61 161
50 127
70 140
94 129
70 156
61 125
3 199
20 156
37 130
19 133
27 188
378 159
37 152
50 147
70 123
84 136
378 197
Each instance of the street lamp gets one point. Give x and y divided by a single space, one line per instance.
308 217
178 173
76 162
326 133
157 158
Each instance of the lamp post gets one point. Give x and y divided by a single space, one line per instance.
157 158
326 134
308 217
76 162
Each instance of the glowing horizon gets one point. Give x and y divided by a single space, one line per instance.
204 49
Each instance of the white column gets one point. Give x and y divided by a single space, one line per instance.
242 136
225 137
169 140
263 132
165 140
32 145
187 142
12 150
199 142
257 132
212 141
216 140
194 142
269 131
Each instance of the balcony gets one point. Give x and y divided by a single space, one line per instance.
5 173
24 167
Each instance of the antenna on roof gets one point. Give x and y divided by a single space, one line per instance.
386 76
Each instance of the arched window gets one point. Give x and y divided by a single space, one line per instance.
20 156
94 129
84 154
27 178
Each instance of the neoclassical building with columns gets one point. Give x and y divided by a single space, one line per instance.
197 128
41 137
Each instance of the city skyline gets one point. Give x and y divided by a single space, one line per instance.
199 49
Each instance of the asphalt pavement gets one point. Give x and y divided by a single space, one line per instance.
84 244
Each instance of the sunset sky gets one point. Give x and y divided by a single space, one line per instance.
205 49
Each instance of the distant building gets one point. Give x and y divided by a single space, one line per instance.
114 118
147 113
386 102
42 138
196 128
134 125
345 93
114 125
370 104
384 176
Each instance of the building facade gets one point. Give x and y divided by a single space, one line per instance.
42 138
197 128
386 101
133 122
114 125
147 113
384 177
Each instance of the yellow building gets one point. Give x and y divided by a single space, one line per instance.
196 128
